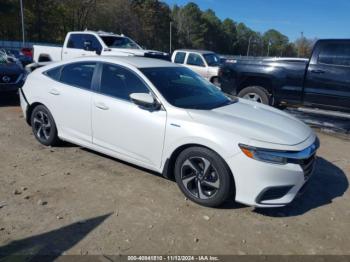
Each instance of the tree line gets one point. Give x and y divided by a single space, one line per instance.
148 22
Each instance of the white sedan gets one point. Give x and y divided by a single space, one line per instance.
166 118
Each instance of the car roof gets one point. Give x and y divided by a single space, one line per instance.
138 62
195 51
100 33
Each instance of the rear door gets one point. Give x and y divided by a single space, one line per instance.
79 45
327 83
69 97
197 64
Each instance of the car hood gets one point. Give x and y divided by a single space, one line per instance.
255 122
10 68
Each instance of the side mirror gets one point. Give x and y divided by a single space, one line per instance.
98 51
144 100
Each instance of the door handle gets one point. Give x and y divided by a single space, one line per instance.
101 106
54 92
318 71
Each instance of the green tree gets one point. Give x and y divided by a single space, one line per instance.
277 41
304 46
229 39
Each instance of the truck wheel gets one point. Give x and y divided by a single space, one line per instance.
255 93
215 81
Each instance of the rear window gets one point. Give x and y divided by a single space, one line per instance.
78 74
335 54
180 58
54 73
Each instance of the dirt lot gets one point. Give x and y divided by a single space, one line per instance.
72 200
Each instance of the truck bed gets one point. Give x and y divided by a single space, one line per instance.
53 53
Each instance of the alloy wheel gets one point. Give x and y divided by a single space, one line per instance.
42 125
199 177
253 97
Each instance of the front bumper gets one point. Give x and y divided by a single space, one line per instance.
263 184
10 87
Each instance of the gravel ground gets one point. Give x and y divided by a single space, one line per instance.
73 201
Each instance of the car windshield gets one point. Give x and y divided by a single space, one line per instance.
212 59
183 88
120 42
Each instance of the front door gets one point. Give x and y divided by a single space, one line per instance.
80 45
120 125
327 81
196 63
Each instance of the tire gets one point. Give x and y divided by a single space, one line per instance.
256 94
43 126
215 81
211 188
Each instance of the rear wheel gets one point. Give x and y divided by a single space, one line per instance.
203 176
255 93
43 126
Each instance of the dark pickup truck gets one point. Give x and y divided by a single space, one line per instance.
321 82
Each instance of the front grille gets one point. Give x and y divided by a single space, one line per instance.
11 78
308 165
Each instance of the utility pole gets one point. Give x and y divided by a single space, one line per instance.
170 40
268 48
22 19
250 39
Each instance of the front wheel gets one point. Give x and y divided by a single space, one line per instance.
43 126
255 93
203 176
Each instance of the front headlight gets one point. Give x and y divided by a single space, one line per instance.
263 155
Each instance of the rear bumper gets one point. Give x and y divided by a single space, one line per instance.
24 103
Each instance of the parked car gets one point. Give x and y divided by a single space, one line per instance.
27 52
25 60
205 63
88 43
12 73
166 118
322 82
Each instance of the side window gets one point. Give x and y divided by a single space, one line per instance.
84 41
78 74
180 58
120 82
76 41
91 43
195 59
54 73
335 54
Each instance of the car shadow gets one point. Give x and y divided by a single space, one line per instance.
327 183
48 246
122 162
9 99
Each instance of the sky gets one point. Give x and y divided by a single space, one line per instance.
315 18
